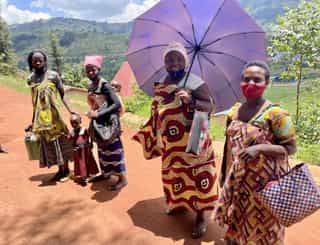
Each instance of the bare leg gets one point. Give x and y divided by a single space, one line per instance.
122 182
200 226
175 211
58 175
65 172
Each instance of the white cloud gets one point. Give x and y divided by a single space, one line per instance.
133 10
99 10
13 15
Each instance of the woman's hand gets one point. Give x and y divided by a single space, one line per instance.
92 114
185 96
28 128
250 153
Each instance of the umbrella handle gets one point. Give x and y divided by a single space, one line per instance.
196 50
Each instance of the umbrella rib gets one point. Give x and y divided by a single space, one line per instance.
201 68
230 35
229 84
219 52
188 13
148 47
169 26
211 22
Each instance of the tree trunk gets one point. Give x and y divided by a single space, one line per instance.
298 90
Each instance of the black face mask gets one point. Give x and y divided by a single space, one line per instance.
176 75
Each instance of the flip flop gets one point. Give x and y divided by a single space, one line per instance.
98 178
64 179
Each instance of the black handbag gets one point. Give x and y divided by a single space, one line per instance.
105 133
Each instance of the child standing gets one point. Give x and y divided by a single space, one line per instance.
117 89
84 162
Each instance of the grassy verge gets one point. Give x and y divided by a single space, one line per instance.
18 85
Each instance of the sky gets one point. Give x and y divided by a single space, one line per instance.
21 11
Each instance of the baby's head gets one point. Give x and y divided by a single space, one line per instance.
116 86
75 121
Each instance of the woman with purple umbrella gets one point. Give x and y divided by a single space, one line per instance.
189 179
260 136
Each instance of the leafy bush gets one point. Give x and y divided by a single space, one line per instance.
73 75
139 104
309 153
309 125
7 69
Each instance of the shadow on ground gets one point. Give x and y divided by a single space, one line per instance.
47 223
149 215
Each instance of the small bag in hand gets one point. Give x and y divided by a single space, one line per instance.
293 197
105 133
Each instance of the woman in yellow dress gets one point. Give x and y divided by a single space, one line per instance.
47 122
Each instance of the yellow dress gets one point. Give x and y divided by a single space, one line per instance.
48 124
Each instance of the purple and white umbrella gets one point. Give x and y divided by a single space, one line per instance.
219 35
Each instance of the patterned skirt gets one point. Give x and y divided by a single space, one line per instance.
111 158
55 152
189 180
247 220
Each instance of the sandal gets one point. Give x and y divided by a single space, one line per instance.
65 177
98 178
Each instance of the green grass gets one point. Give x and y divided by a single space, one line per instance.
309 153
217 128
17 84
79 102
284 96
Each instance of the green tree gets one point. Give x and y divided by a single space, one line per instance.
74 75
7 57
56 52
296 42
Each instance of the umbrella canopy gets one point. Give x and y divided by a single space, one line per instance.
219 35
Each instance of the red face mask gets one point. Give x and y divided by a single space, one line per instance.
250 90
